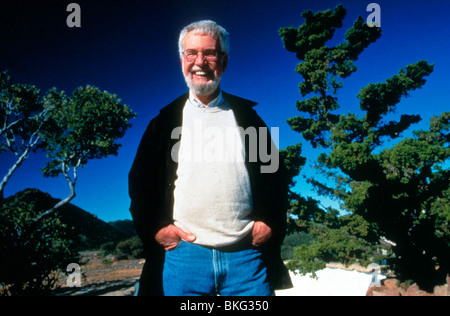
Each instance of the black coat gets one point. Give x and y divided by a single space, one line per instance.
151 185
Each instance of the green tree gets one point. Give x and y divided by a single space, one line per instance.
72 130
32 259
400 193
22 117
82 127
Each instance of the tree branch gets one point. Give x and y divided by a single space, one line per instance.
32 142
71 182
12 170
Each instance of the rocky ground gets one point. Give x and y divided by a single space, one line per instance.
392 287
111 276
104 277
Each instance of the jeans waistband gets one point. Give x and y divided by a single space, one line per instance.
242 244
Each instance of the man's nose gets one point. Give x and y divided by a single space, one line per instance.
200 60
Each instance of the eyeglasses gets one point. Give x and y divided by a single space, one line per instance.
209 54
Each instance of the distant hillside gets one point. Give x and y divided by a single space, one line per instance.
125 226
88 231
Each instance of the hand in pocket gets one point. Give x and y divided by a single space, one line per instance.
171 235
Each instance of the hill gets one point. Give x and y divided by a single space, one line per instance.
125 226
87 230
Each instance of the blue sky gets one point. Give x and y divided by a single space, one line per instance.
130 48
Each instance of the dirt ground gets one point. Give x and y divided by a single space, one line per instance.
111 276
104 277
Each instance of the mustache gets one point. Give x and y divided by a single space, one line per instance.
197 68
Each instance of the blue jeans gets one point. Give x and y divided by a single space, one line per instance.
193 270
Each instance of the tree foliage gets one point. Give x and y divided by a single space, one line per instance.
82 127
400 193
71 130
22 117
32 255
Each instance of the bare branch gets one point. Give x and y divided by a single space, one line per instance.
70 197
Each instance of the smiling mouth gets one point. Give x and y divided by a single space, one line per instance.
201 73
202 77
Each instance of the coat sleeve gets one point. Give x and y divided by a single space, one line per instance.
143 186
273 199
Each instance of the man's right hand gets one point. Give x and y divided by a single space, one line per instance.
170 236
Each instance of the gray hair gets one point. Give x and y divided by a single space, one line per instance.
206 27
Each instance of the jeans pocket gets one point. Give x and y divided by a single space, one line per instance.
177 246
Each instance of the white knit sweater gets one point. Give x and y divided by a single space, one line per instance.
212 196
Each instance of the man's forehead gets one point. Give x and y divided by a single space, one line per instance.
202 39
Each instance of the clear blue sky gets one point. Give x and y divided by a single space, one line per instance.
130 48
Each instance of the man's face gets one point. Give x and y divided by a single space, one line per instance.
203 76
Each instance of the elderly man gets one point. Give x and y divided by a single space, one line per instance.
210 217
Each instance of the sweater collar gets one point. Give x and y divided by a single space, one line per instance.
214 103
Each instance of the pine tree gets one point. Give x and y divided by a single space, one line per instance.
400 193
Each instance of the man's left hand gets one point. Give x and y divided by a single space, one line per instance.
261 233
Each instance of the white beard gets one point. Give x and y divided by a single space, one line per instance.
203 89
